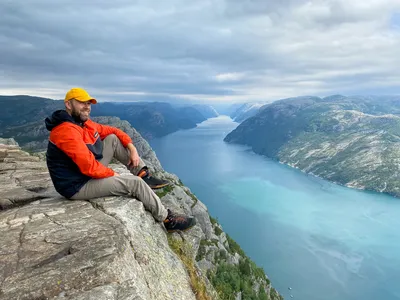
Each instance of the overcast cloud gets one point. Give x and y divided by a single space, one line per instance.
232 50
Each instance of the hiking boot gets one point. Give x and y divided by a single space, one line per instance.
155 183
175 222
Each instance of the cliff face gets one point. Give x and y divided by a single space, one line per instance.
348 141
110 248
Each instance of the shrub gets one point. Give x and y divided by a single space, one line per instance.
213 220
234 247
218 230
228 280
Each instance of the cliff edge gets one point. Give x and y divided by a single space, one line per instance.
110 248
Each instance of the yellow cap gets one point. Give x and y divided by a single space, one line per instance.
80 95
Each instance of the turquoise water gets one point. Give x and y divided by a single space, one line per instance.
322 240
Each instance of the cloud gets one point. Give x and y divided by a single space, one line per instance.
199 50
229 76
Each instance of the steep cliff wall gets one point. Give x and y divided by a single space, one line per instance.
110 248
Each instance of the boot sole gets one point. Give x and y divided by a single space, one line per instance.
160 186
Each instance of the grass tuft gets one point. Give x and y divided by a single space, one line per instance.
164 191
196 282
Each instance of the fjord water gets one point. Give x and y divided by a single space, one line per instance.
322 240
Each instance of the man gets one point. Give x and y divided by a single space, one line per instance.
79 151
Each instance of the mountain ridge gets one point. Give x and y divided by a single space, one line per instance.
349 141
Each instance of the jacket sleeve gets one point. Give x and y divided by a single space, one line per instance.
105 130
69 139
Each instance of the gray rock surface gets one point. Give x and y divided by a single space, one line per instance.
10 141
23 177
109 248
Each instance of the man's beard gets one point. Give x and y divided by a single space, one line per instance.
78 116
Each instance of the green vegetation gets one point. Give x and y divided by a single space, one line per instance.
221 255
234 247
274 294
197 283
228 280
213 220
217 230
164 191
201 253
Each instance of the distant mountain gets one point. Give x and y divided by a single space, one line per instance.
353 141
224 108
246 110
207 111
153 119
21 110
22 117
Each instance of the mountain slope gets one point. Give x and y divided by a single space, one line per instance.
20 110
337 138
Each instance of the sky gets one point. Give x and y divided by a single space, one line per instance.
200 50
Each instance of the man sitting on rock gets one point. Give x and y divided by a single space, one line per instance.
79 151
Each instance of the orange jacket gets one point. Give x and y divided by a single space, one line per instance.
81 143
74 151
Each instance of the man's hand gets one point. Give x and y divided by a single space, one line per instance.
134 158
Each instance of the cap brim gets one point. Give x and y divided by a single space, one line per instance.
92 100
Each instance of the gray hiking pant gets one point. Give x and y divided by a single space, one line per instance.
122 185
